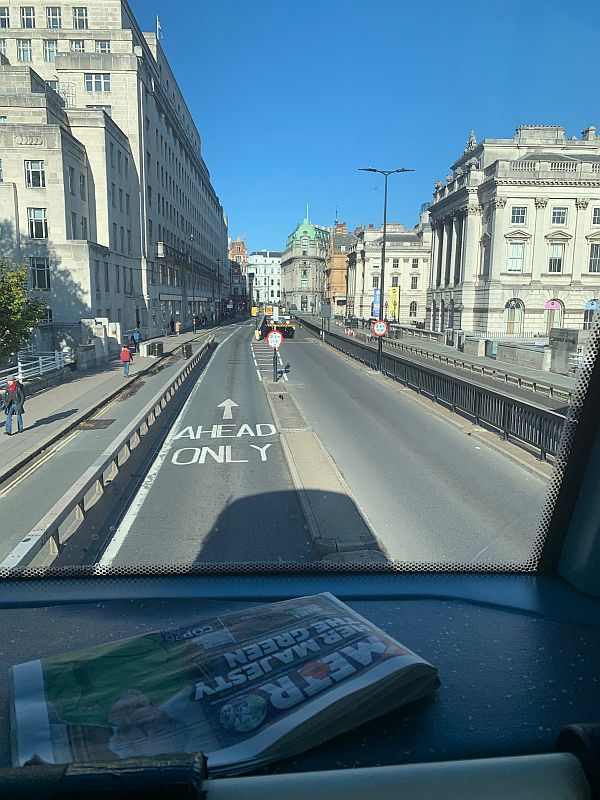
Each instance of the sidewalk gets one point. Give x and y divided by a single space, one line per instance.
53 412
564 382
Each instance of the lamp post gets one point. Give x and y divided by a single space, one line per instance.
219 285
385 173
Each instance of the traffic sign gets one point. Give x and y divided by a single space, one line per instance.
380 328
274 339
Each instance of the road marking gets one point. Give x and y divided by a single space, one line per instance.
227 405
259 375
117 541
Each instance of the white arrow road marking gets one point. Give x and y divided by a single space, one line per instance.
227 405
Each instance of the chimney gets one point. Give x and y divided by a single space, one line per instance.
371 226
589 134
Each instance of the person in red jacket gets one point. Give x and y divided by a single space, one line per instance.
126 359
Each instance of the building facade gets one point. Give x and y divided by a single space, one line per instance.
336 267
238 275
107 120
265 268
407 256
516 235
302 267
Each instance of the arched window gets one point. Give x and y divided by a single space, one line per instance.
413 309
588 313
554 311
514 314
304 303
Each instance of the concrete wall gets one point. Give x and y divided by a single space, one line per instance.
533 357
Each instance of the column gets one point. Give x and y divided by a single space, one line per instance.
459 219
539 251
443 254
452 252
580 256
440 254
498 251
471 243
433 259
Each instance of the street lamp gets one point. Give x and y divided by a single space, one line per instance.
219 285
385 173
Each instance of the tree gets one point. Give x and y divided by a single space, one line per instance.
20 312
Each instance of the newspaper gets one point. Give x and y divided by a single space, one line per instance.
244 688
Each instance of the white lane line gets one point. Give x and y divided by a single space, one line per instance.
285 377
259 375
117 541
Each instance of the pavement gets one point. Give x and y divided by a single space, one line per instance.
53 412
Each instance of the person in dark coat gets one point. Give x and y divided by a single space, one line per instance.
172 326
13 402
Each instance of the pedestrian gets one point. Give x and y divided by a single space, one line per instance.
136 339
13 402
196 323
126 360
178 327
132 343
204 321
172 326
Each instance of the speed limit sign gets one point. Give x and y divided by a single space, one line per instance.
380 328
274 339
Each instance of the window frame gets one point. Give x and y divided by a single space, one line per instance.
413 309
50 18
50 55
98 42
91 81
515 218
24 18
35 269
596 215
512 259
594 257
34 221
30 172
4 18
559 260
20 51
414 281
77 18
77 45
561 211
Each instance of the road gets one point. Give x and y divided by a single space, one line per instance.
220 489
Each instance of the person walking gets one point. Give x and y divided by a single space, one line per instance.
178 327
136 336
126 360
13 402
172 326
196 323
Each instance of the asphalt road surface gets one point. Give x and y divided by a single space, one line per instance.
220 489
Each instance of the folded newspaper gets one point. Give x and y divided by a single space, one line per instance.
244 688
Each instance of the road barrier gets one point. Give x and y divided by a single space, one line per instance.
516 419
96 477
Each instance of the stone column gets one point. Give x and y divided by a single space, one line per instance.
471 242
433 261
538 245
498 249
450 251
580 256
457 248
439 254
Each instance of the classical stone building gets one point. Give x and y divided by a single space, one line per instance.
105 192
336 267
265 267
302 267
516 235
407 255
238 274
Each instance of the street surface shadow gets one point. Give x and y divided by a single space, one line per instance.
53 418
272 528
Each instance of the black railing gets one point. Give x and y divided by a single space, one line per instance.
541 428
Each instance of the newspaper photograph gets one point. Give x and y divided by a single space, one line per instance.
244 688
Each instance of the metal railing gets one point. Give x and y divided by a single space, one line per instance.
30 366
516 419
70 511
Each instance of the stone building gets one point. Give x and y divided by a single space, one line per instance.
265 267
516 235
407 255
302 267
336 267
105 192
238 274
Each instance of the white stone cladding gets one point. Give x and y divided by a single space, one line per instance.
265 265
120 101
516 235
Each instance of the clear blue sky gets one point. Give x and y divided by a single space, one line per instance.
290 97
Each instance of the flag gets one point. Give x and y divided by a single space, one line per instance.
159 33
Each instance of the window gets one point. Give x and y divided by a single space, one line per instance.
106 279
128 241
518 215
121 200
595 258
35 175
376 281
412 312
149 197
103 46
71 180
596 216
395 263
77 46
80 18
73 225
2 47
50 49
38 224
113 192
82 191
97 81
40 274
118 278
53 17
4 18
122 239
84 229
24 50
120 162
27 17
516 252
559 215
415 263
115 243
48 317
127 206
557 251
394 280
414 282
53 85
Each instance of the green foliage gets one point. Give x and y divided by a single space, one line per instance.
19 311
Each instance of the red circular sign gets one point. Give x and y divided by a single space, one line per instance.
274 339
380 328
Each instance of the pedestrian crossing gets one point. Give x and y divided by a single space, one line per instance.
262 357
